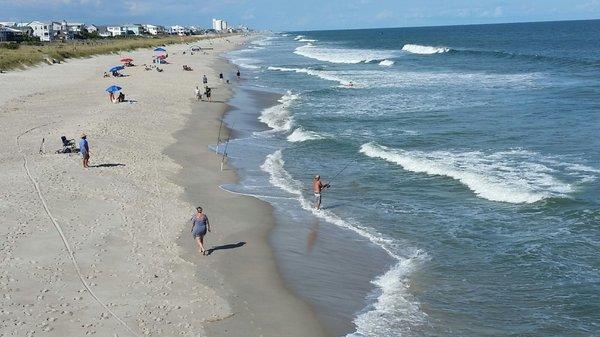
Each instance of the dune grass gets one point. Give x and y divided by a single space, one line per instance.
28 55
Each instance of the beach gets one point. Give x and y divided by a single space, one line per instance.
107 251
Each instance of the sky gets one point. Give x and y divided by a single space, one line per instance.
292 15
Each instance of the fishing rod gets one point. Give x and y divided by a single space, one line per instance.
342 170
219 136
227 145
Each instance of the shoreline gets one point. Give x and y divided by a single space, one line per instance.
122 217
251 276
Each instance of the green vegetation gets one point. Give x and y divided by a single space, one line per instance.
14 55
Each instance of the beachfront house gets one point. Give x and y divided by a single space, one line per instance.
195 30
26 30
133 29
42 30
115 30
103 31
10 34
154 30
178 30
91 28
75 27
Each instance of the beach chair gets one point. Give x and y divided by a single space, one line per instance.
68 145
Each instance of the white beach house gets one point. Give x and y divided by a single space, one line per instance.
154 30
133 29
178 30
42 30
115 30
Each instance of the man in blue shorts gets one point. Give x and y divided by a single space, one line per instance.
84 149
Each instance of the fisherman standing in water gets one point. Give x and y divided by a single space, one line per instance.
318 186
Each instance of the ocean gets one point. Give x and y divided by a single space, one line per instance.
465 198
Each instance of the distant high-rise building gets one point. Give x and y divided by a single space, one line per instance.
219 25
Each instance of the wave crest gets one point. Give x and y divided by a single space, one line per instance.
301 135
424 50
278 117
502 176
341 55
326 75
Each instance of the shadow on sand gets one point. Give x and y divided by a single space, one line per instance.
223 247
107 165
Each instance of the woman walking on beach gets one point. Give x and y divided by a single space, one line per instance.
200 225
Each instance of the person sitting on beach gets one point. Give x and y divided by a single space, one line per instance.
106 74
84 149
207 91
318 186
121 97
200 225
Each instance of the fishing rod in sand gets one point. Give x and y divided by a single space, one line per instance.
219 136
226 146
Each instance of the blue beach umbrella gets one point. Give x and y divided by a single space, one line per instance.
159 49
116 68
113 88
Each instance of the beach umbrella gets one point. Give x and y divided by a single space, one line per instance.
126 60
113 88
159 49
116 68
161 57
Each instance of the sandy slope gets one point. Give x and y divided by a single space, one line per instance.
120 220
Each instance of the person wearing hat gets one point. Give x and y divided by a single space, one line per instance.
84 149
318 186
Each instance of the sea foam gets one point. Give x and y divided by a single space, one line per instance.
341 55
301 135
326 75
278 117
386 63
424 50
502 176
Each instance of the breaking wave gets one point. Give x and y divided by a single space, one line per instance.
340 55
278 117
386 63
510 176
301 135
326 75
380 319
424 50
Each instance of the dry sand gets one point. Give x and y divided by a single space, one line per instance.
95 251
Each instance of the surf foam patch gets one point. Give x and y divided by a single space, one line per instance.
510 176
302 135
326 75
278 117
424 50
342 55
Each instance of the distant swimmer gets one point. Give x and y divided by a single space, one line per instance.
318 187
350 84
